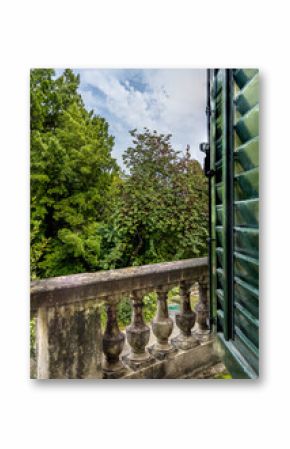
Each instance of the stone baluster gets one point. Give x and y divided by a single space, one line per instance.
162 326
138 334
202 310
185 320
113 342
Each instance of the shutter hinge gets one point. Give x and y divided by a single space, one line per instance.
209 111
210 173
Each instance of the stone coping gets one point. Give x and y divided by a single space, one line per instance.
107 285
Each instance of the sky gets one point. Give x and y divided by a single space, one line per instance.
166 100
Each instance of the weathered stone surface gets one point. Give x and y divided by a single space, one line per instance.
42 351
185 320
69 342
113 343
202 310
217 371
75 288
162 326
184 364
138 334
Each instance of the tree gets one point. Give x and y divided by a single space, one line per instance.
73 175
51 96
161 213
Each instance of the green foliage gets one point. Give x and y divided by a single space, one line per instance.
50 97
223 375
85 216
73 177
150 306
124 312
161 211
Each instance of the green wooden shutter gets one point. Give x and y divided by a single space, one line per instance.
234 248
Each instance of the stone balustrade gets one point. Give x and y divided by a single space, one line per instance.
69 339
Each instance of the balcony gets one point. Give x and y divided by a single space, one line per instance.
71 344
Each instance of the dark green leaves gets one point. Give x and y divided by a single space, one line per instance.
161 211
72 177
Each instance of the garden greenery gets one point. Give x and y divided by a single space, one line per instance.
88 215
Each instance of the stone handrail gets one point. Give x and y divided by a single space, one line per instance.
68 329
78 287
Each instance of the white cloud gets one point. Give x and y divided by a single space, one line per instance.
170 101
89 99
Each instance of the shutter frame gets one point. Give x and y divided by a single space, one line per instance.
234 216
